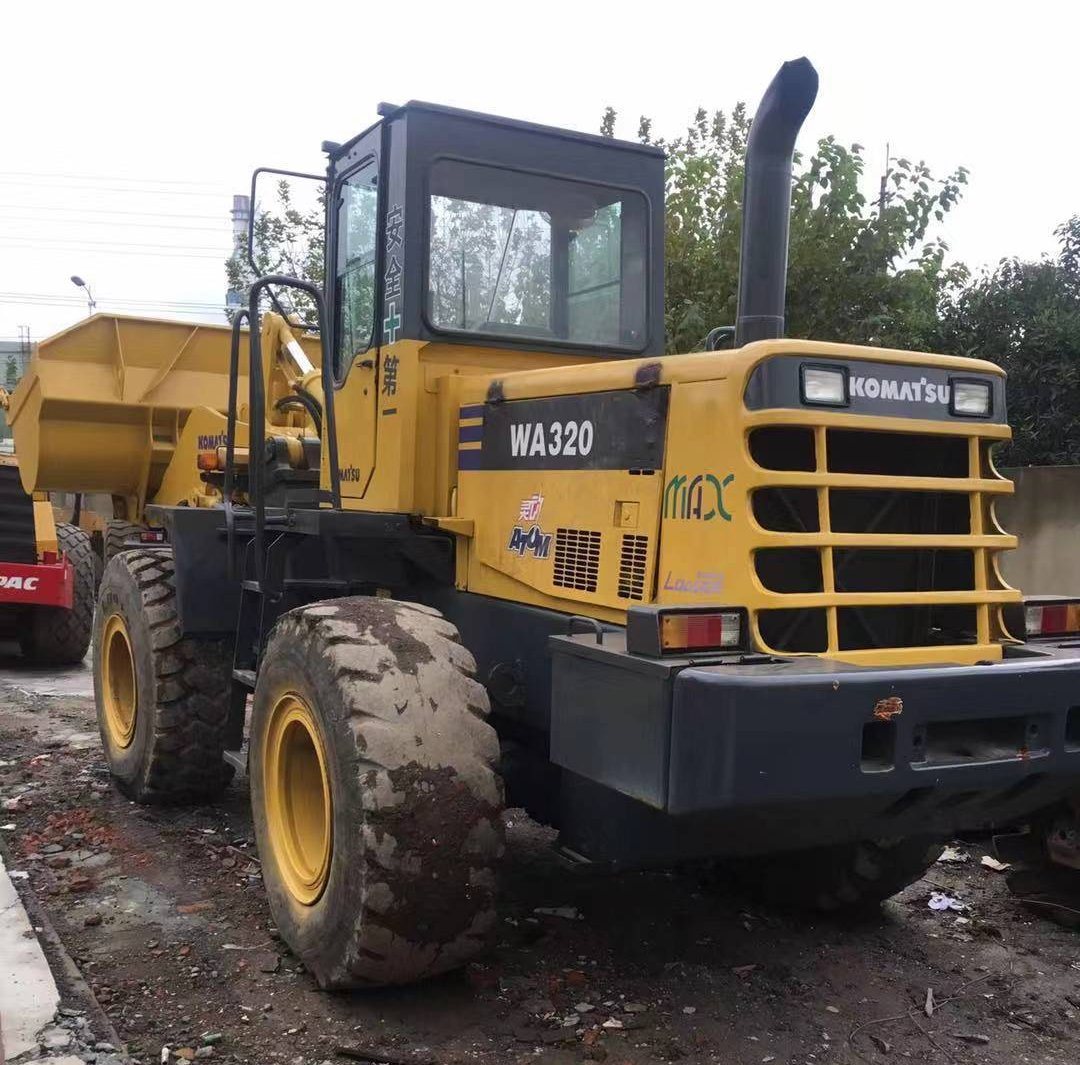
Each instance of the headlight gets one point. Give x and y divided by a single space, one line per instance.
970 399
824 386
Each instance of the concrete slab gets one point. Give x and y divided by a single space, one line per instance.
28 993
15 674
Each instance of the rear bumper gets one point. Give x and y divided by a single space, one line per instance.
808 751
43 584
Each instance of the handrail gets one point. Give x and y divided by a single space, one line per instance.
257 406
230 441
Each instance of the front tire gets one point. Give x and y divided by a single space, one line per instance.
56 636
162 699
376 800
848 876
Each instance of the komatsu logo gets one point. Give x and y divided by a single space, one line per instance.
19 584
921 391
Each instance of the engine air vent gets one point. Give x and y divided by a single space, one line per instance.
577 559
635 550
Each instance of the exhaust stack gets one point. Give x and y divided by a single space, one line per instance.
767 201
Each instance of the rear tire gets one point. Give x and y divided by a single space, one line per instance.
376 799
848 876
162 699
117 534
53 635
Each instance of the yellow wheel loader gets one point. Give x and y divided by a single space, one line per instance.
469 538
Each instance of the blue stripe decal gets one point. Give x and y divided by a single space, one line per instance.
470 434
469 460
474 410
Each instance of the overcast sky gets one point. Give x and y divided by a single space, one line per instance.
127 127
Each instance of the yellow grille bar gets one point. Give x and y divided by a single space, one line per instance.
804 479
994 541
806 600
842 420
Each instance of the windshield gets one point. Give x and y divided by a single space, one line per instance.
525 255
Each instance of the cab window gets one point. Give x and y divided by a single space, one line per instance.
526 255
356 248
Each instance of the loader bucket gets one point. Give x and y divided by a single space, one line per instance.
103 403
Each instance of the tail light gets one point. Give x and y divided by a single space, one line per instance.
151 536
657 631
1052 617
208 460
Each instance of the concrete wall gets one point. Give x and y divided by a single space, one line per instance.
1045 514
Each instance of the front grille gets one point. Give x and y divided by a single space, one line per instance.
577 559
18 541
868 539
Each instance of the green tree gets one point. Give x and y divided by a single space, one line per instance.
287 240
1025 316
11 378
858 272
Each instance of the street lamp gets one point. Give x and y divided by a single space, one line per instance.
91 303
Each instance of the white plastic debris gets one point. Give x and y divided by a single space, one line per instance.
940 901
612 1022
992 863
950 855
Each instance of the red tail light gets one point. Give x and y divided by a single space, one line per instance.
1052 617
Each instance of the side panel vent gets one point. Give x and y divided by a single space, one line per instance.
577 559
635 550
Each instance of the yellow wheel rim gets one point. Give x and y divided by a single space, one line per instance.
119 689
299 812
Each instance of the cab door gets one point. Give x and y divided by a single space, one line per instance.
352 261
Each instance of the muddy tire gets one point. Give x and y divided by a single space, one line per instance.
376 798
117 534
845 877
162 700
54 636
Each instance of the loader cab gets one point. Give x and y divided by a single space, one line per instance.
450 226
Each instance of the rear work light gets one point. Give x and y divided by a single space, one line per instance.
656 631
825 386
970 399
1054 617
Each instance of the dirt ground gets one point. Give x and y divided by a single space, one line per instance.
164 912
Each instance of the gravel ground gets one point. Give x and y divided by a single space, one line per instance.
164 912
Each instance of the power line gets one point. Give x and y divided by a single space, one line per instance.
106 177
115 251
38 219
106 210
111 299
108 243
122 307
113 188
75 301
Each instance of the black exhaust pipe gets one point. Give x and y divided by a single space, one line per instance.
767 201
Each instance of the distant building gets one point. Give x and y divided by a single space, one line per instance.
241 213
